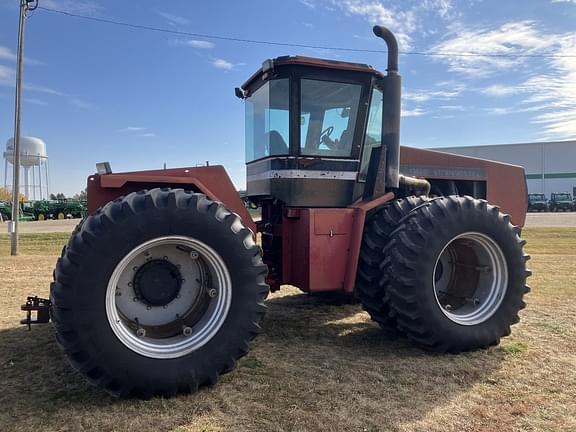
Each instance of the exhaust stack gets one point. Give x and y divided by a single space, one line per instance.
388 165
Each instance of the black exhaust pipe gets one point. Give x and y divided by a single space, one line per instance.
388 167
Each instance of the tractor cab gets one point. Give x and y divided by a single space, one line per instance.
311 126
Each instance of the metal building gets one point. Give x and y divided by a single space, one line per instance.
550 166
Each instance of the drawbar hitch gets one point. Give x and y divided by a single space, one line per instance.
42 308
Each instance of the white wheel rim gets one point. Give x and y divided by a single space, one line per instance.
189 320
470 278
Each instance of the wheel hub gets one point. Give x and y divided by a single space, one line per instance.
168 296
470 278
157 282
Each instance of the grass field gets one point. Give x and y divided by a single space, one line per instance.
316 367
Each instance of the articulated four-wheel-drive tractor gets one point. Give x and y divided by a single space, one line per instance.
162 287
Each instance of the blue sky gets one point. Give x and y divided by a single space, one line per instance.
97 92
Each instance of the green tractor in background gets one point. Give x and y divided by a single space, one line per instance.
26 213
5 211
58 209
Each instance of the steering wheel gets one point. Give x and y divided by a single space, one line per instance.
325 137
326 132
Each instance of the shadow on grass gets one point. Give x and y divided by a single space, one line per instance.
306 341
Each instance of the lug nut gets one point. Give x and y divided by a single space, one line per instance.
212 292
194 255
140 332
187 331
135 268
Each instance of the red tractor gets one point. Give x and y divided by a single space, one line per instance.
162 287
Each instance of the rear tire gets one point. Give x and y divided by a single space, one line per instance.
145 246
369 287
456 274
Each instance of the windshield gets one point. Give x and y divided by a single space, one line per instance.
562 197
267 120
328 112
536 197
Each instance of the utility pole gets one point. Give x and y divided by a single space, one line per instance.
25 6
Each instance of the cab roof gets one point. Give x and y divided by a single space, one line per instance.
310 62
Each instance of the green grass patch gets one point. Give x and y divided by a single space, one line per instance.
514 347
551 241
35 244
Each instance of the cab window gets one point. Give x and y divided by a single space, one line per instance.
268 121
373 137
329 111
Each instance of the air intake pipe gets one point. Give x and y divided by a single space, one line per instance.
388 167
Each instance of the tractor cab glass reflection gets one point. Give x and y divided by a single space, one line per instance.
267 120
328 117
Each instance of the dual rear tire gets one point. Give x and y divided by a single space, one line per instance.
449 272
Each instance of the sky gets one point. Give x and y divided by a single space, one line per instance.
138 99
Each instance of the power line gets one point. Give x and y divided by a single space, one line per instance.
289 44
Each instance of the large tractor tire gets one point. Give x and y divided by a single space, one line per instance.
369 287
456 274
158 293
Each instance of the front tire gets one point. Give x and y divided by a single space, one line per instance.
379 225
158 293
456 274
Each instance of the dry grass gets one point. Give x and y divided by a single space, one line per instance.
317 366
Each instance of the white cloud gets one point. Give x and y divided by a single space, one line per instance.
427 95
500 110
501 90
404 18
42 89
549 96
174 20
401 22
308 3
35 101
83 7
138 131
6 75
223 64
79 103
416 112
492 50
132 129
557 90
7 54
452 107
200 44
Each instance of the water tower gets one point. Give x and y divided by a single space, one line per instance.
34 163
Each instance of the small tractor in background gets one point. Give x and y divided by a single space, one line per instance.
537 202
561 202
161 287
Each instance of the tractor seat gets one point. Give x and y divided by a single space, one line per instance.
277 144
